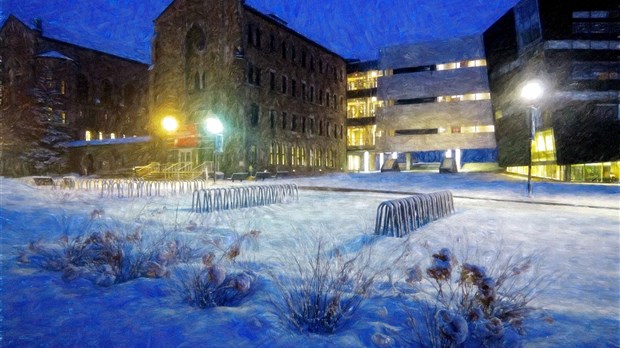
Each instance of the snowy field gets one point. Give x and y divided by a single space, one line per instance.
576 229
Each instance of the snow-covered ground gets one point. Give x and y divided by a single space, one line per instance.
575 227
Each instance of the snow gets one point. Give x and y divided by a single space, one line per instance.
574 226
109 141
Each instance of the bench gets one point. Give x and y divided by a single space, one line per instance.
44 181
263 175
280 174
238 176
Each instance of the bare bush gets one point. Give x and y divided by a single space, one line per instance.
325 288
105 254
468 303
219 280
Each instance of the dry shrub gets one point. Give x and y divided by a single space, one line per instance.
219 280
470 304
325 286
105 254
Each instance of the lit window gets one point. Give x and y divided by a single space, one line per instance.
112 136
63 117
88 136
100 135
63 85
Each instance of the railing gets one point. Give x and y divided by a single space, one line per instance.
172 171
131 188
399 217
217 199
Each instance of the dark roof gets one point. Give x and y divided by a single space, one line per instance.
280 23
275 20
355 65
44 37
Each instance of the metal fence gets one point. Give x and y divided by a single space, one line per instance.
216 199
130 188
399 217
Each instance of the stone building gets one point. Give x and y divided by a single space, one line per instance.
436 103
78 92
279 96
572 49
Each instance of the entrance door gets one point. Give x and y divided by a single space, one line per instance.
185 156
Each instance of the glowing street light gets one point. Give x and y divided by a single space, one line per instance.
214 125
170 124
531 92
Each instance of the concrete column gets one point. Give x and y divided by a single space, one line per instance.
407 160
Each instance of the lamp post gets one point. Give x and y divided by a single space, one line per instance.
214 126
531 92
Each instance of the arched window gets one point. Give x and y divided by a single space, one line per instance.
195 46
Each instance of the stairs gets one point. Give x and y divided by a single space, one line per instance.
173 171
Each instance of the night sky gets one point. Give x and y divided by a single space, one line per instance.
351 28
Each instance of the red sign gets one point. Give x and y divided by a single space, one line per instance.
187 136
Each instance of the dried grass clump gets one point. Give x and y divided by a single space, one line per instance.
324 289
470 304
219 280
106 255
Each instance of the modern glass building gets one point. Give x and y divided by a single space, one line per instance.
572 48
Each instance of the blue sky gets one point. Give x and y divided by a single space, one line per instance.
351 28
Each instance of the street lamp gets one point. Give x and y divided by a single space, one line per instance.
531 92
214 126
170 124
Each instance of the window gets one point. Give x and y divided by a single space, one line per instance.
334 101
63 117
88 135
250 73
62 87
312 94
257 73
257 38
311 128
294 123
303 91
272 81
272 42
293 88
283 84
312 63
254 115
321 66
272 119
293 55
321 127
327 98
321 97
304 58
303 125
250 33
196 81
283 50
284 120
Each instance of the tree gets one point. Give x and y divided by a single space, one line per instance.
45 136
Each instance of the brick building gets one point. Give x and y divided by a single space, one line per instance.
80 92
280 96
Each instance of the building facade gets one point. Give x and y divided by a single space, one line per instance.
573 49
54 91
279 96
436 103
362 106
